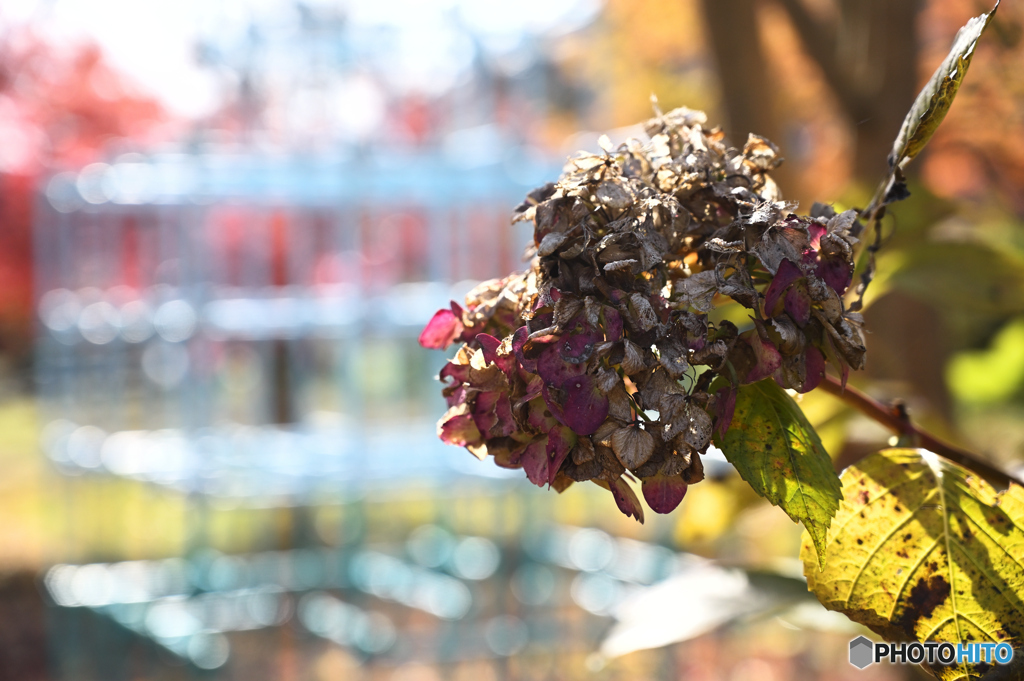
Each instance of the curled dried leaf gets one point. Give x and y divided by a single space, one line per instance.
642 311
633 359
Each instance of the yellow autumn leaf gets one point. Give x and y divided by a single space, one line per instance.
923 550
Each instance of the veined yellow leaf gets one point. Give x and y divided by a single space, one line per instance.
923 550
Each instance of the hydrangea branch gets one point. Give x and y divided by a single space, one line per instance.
895 418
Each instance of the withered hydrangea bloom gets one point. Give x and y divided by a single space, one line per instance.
608 356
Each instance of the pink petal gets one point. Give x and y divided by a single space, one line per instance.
441 330
586 407
533 389
768 358
786 275
527 351
483 411
490 345
663 492
815 232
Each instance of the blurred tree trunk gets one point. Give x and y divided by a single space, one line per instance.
866 50
746 91
867 53
743 75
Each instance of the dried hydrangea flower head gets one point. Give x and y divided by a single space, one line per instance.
610 356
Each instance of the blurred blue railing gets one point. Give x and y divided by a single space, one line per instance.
246 326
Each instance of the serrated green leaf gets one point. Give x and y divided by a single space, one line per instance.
923 550
935 98
777 452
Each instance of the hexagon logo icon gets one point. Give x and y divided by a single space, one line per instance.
862 652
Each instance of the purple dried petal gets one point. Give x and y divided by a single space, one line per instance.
534 461
533 389
768 359
560 443
837 273
441 330
492 413
519 339
786 275
483 411
663 492
457 396
539 416
725 406
544 455
626 499
458 372
553 402
612 324
815 363
617 296
506 422
586 407
661 308
541 321
460 430
489 346
798 303
553 369
578 347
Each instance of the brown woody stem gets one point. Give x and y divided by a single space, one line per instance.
895 418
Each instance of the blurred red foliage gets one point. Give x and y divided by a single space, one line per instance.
61 107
